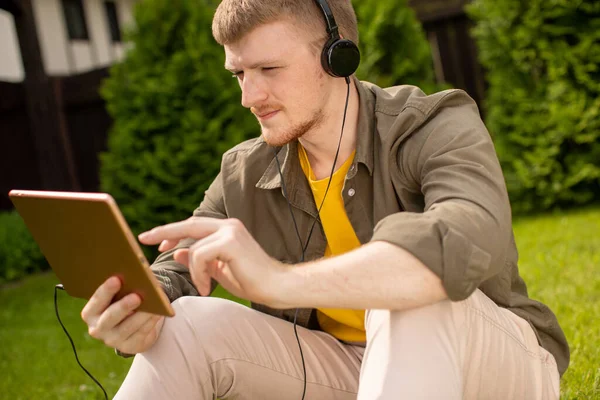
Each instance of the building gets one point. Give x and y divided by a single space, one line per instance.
75 36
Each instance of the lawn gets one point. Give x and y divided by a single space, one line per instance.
559 253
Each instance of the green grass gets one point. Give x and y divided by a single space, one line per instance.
36 360
560 255
560 261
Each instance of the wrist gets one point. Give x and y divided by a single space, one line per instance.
285 292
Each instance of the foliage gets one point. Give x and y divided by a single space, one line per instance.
543 106
394 49
19 253
175 111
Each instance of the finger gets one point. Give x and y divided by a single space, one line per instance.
203 256
117 312
129 326
149 325
101 299
196 227
223 274
142 338
166 245
182 256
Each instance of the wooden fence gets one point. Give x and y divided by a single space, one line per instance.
52 141
85 124
454 51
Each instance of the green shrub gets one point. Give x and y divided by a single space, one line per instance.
394 48
543 106
176 109
19 254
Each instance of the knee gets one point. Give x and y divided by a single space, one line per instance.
210 307
201 316
445 315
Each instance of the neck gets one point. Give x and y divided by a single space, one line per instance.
322 143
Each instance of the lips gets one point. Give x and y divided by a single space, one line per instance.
267 114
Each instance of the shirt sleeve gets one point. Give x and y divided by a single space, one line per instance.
174 277
465 229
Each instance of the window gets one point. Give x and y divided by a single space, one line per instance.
113 20
75 19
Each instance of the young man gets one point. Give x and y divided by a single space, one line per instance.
410 288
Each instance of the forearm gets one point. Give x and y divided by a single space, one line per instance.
378 275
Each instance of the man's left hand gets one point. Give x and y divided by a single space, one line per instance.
225 251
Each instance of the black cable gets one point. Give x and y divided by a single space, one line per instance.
302 249
303 246
332 168
59 286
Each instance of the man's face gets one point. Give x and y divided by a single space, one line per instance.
282 80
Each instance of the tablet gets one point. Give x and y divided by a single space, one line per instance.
86 240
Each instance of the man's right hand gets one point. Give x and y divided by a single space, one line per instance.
118 325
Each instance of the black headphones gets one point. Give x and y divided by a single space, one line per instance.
340 57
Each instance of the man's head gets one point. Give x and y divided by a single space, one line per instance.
274 49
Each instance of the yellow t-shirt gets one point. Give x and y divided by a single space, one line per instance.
344 324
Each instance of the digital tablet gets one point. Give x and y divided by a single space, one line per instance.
86 240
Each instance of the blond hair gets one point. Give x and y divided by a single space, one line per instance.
235 18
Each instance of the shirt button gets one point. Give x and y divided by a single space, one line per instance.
351 192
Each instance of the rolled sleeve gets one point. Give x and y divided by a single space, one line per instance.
465 229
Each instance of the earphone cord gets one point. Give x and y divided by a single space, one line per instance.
303 247
56 288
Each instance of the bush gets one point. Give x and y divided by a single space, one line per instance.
176 109
393 45
543 105
19 253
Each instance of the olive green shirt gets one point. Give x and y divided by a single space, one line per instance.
425 178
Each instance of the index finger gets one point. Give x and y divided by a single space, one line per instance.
195 227
101 299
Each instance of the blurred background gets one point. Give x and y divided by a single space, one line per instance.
130 97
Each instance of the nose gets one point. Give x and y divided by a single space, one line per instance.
253 91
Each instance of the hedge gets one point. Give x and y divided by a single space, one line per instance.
19 253
543 102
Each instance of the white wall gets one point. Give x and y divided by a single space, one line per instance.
52 34
60 55
11 67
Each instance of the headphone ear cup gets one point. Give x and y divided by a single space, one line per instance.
340 58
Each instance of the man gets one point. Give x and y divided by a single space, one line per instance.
410 288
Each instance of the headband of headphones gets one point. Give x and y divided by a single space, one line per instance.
340 57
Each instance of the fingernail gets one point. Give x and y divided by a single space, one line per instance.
143 235
134 301
113 282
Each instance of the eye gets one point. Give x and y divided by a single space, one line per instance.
269 69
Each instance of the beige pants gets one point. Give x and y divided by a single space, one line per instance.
464 350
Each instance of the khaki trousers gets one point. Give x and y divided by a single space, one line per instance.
471 349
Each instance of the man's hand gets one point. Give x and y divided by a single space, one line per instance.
118 325
225 251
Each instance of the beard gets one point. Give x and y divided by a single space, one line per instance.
279 137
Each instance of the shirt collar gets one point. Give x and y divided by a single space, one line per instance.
288 154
